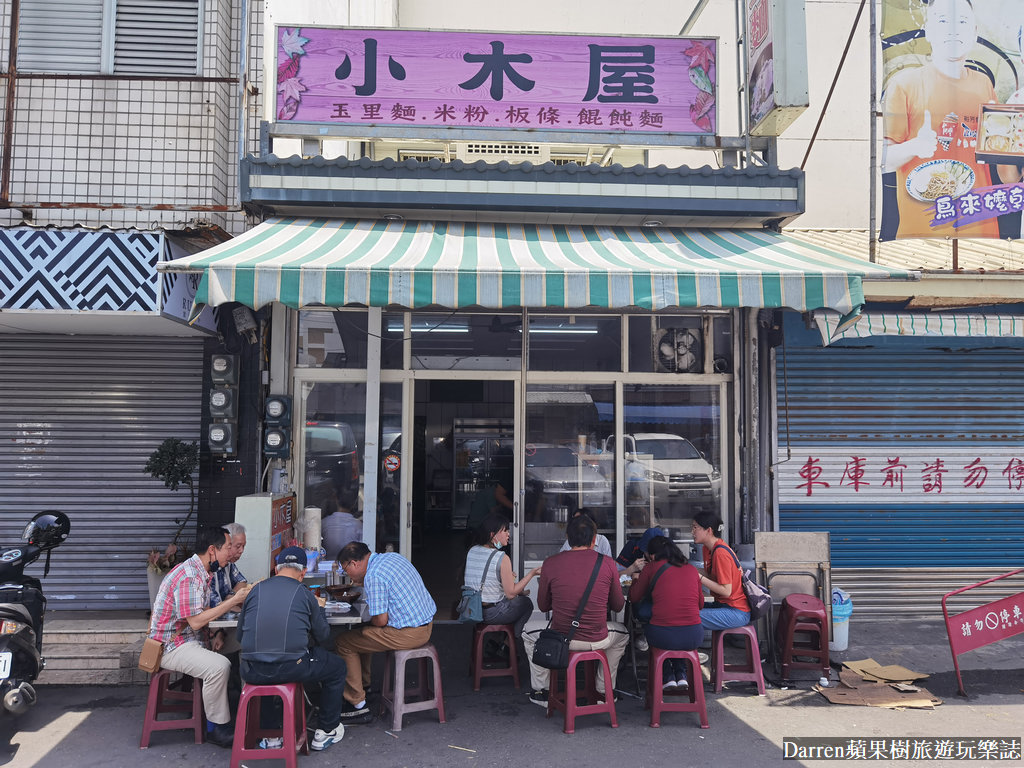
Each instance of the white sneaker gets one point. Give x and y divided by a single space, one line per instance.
683 685
322 741
668 684
271 742
641 644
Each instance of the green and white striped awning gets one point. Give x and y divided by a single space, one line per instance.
919 324
305 262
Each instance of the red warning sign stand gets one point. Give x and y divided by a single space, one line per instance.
983 625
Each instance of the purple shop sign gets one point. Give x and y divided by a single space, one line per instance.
388 77
978 204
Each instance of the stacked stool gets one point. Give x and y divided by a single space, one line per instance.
655 699
162 699
564 698
476 657
394 692
726 673
248 731
803 615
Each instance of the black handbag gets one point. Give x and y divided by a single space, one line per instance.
644 609
552 647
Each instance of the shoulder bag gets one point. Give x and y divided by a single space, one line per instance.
552 647
644 609
153 653
758 598
471 607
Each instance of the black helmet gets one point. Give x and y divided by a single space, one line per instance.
47 529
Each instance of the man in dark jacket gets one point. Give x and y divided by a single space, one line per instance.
278 618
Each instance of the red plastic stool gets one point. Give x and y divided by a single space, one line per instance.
805 615
564 699
476 658
655 699
394 696
749 671
248 731
162 698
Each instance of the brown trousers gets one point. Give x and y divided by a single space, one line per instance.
358 645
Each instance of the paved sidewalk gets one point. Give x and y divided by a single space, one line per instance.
84 727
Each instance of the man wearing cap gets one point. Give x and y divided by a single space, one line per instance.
401 617
635 550
278 618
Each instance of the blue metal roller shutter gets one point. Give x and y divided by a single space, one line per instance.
956 398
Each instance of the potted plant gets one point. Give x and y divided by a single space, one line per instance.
173 462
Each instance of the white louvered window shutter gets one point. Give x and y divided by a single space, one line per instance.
64 36
157 37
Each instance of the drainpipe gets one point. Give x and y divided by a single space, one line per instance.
12 74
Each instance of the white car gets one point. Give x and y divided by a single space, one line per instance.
555 469
669 467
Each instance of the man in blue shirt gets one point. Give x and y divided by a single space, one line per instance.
279 618
401 617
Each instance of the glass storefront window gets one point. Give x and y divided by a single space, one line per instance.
331 339
564 466
575 343
333 440
389 475
672 449
466 341
392 338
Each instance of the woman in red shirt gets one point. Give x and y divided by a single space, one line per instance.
721 576
677 598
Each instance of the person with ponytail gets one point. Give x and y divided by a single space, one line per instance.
676 598
503 598
720 576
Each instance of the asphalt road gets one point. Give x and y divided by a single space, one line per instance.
100 726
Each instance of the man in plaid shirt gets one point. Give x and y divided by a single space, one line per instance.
401 617
180 616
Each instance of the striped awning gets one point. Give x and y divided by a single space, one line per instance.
920 324
306 262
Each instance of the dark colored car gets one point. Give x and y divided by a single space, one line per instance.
332 461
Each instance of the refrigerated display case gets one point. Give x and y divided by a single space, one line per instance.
483 452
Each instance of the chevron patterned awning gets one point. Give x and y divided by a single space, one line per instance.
306 262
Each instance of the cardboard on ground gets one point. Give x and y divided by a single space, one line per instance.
872 671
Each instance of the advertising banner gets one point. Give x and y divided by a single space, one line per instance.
389 77
953 110
776 64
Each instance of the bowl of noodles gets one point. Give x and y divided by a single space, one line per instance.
939 178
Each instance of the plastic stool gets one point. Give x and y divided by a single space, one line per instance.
564 699
476 657
394 696
655 699
803 614
750 671
248 731
162 698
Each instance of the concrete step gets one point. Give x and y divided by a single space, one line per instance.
97 636
75 656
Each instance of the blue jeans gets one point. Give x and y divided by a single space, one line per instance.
687 638
723 617
317 666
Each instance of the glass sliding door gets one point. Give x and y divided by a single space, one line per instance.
565 468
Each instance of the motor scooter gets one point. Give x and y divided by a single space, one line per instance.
22 605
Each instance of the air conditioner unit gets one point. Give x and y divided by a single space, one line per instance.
678 350
496 152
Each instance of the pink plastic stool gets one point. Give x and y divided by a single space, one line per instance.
564 699
749 671
476 659
247 725
803 615
162 699
394 695
655 700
